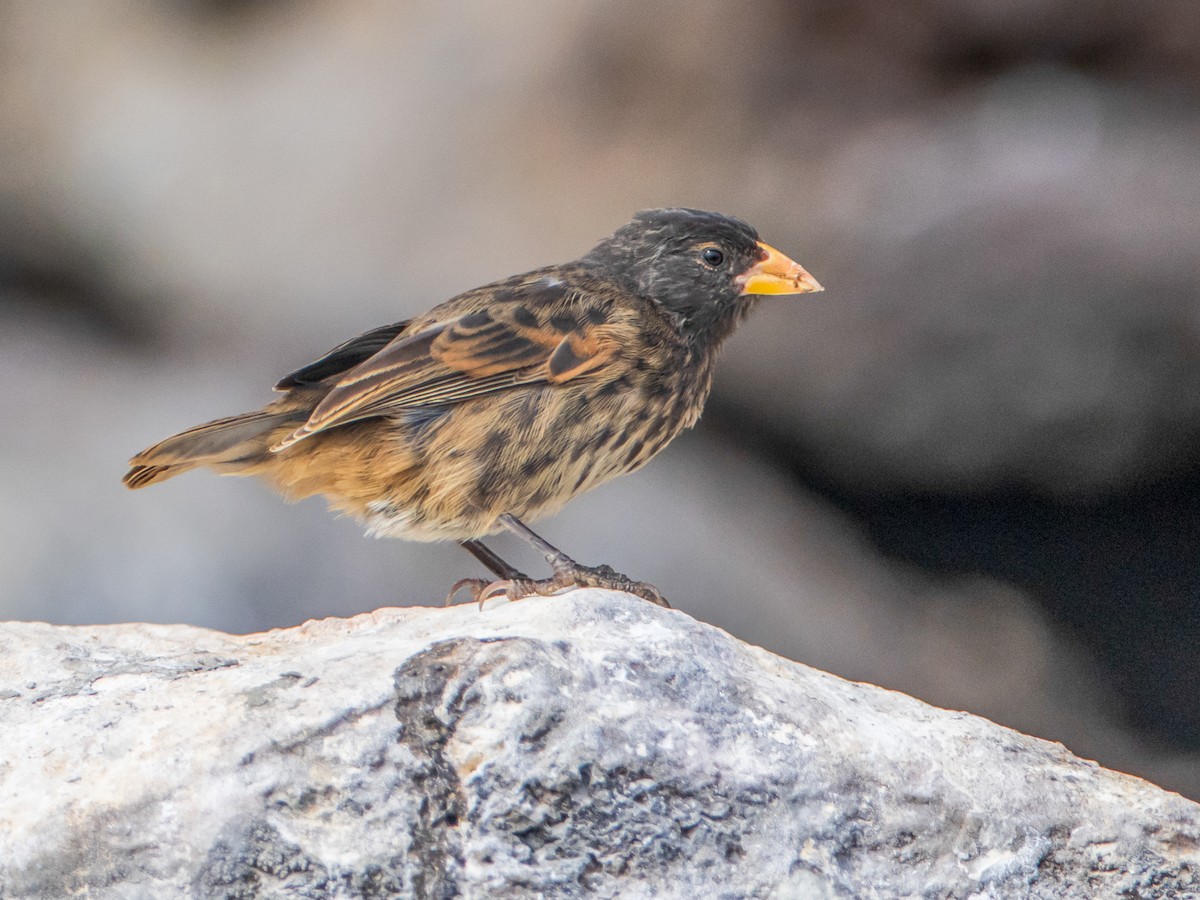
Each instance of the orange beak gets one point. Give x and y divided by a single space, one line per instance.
776 274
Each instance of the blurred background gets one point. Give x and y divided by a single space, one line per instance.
970 470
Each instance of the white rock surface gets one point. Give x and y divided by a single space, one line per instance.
588 743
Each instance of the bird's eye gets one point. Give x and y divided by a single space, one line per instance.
712 256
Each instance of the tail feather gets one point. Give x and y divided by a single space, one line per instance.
232 443
140 476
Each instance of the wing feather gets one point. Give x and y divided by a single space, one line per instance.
493 347
344 356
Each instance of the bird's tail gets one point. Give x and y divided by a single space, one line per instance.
229 445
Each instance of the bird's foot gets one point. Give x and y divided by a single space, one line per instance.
474 587
480 590
565 578
609 579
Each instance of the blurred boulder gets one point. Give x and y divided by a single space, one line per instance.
1011 299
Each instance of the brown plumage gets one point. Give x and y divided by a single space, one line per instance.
506 401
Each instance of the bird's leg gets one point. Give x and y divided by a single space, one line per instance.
558 560
567 572
492 562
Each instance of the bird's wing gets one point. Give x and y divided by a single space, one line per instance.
535 334
342 357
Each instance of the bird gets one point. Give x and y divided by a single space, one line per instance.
498 406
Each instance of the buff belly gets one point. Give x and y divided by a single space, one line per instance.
433 474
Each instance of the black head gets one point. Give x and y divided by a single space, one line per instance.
697 266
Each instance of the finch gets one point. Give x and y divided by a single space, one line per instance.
501 404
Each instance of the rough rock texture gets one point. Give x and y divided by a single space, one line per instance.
582 744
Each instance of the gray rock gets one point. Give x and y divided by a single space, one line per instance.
582 744
992 318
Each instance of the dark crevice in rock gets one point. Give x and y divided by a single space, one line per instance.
430 697
244 866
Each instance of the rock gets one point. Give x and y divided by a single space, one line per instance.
588 743
991 319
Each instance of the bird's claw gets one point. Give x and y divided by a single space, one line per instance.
474 585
